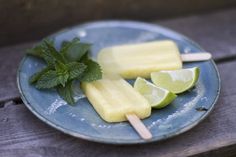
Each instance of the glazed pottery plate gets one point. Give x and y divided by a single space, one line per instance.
82 121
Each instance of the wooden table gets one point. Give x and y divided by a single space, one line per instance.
22 134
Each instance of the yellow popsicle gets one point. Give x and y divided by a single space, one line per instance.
113 98
139 60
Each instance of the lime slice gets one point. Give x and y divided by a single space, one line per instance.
157 97
176 81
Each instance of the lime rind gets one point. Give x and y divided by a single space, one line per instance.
166 101
157 97
176 81
197 73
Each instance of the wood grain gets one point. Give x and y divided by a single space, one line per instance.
9 62
196 57
138 125
23 134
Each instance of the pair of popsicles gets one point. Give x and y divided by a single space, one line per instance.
115 99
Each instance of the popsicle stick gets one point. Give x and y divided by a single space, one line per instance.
139 126
193 57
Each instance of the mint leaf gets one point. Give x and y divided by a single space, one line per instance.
66 44
52 78
75 50
53 52
63 79
42 50
34 78
93 71
48 80
75 69
62 73
48 58
66 92
60 67
38 49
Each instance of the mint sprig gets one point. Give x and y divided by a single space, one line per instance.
71 63
90 72
66 92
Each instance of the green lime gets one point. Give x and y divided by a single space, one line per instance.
156 96
176 81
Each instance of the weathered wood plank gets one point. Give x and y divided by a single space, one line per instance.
23 20
9 62
22 134
214 32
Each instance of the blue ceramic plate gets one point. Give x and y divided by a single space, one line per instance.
82 121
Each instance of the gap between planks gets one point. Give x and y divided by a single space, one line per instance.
15 101
225 59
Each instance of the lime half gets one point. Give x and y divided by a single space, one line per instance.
176 81
157 97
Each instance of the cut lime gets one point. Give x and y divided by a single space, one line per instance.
157 97
176 81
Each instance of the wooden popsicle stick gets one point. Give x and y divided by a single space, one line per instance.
138 125
193 57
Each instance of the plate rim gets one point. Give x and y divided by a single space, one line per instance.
132 24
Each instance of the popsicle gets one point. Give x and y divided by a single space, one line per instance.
139 60
115 100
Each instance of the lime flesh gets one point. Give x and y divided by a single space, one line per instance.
156 96
176 81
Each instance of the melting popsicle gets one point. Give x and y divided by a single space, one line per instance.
115 100
139 60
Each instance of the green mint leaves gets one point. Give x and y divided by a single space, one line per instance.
63 67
